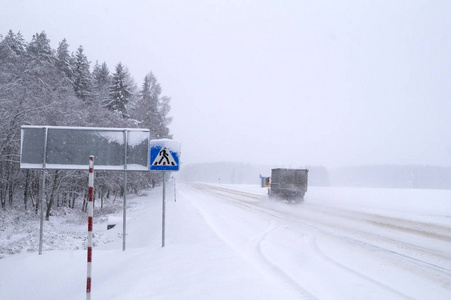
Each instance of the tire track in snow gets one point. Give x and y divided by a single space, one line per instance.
405 261
439 261
254 248
314 244
270 266
252 252
434 231
416 254
357 216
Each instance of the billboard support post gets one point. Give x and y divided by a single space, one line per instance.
124 214
42 200
41 218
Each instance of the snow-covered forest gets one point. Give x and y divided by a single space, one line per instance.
62 87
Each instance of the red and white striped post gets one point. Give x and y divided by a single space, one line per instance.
90 216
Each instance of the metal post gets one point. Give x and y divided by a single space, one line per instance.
164 212
90 217
42 200
124 220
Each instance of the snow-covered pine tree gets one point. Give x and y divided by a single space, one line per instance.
83 83
120 92
147 108
151 110
12 44
65 62
40 49
12 51
102 82
163 109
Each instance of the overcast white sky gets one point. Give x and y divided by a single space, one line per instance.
293 83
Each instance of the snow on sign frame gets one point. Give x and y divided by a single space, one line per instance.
68 148
164 155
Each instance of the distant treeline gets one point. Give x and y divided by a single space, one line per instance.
55 87
382 176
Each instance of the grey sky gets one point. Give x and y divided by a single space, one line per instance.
279 82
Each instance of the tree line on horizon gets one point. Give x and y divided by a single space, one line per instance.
54 87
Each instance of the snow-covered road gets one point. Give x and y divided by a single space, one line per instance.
233 242
325 250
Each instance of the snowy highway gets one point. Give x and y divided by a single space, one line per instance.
233 242
322 251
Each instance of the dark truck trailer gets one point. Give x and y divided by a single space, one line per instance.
288 184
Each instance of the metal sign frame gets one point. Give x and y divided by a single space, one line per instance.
35 153
66 148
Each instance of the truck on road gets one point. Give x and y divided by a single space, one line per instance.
288 184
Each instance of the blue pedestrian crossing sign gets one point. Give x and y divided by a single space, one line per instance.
164 155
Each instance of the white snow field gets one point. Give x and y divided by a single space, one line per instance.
232 242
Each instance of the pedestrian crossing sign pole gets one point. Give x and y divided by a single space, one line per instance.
164 156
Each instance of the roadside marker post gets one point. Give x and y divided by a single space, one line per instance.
164 156
175 191
90 216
